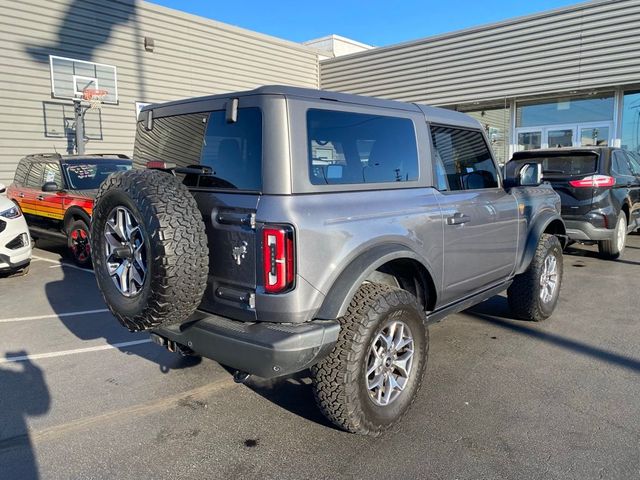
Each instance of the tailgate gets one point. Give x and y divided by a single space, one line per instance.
233 252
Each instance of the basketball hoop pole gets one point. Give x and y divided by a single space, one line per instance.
79 110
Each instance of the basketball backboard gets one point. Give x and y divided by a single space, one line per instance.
69 78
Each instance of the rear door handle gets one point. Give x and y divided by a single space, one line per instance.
458 219
40 197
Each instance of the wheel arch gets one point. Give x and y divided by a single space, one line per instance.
75 213
393 259
546 222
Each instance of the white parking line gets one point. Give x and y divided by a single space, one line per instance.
63 353
53 315
62 264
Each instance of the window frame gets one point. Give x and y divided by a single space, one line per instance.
481 131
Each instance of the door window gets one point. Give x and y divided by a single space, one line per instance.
465 159
34 177
52 174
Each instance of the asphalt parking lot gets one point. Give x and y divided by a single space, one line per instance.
80 397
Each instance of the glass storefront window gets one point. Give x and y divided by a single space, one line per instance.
529 140
594 137
631 121
496 123
571 110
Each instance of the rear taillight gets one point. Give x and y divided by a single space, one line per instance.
594 181
278 264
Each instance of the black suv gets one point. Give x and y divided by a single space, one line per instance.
599 189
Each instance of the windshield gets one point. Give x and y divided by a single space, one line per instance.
89 174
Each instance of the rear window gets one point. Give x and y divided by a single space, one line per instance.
87 174
565 165
232 150
353 148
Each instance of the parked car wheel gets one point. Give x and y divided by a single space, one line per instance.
373 374
614 248
79 244
533 295
149 247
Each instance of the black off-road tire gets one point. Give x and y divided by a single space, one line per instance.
78 243
524 294
175 247
339 380
609 249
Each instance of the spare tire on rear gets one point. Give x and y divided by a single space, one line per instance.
149 249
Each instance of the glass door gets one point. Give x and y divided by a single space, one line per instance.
594 135
561 136
529 139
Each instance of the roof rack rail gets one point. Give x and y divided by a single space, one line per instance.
118 155
44 155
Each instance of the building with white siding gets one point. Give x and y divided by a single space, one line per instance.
564 77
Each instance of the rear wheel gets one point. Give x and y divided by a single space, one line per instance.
614 248
79 244
533 295
375 371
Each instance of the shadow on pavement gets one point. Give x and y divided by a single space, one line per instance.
70 294
293 393
493 309
23 393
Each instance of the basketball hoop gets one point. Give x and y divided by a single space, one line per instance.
95 97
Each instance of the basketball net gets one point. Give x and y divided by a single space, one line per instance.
95 97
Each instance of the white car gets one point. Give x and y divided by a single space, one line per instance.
15 241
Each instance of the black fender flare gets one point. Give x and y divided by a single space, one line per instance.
540 224
75 212
349 280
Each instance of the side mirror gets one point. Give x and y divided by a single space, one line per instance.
530 175
2 188
50 187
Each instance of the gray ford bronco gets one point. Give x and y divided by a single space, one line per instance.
283 228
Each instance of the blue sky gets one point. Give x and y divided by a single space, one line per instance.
375 22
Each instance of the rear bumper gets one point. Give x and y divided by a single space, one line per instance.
264 349
583 230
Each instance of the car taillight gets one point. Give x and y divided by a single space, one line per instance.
278 264
594 181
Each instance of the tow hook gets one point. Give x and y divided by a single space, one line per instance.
240 376
172 346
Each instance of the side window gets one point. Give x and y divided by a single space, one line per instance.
34 177
465 157
352 148
620 164
52 174
634 160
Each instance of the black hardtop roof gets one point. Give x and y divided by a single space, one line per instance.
47 157
435 114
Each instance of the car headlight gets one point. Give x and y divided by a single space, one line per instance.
13 212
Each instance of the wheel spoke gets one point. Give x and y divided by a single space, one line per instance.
403 363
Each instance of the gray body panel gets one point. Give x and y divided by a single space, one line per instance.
344 233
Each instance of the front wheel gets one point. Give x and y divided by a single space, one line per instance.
78 243
614 248
533 295
374 373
